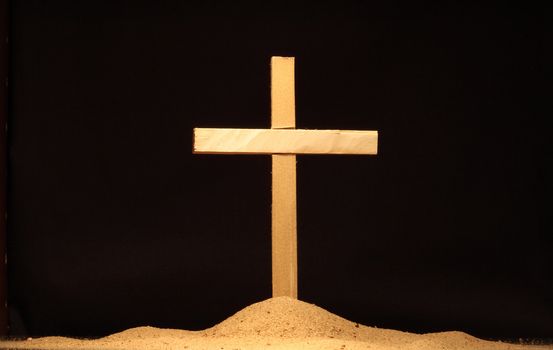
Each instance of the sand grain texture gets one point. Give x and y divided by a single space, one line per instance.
278 323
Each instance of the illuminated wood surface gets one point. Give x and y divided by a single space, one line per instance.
283 142
283 177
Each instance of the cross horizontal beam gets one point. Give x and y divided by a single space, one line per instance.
284 141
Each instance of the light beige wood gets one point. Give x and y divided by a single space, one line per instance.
284 227
284 224
283 103
284 141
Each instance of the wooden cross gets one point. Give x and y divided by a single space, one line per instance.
283 142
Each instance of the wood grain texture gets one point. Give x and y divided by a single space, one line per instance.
284 226
283 211
284 141
283 103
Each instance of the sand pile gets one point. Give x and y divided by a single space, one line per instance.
285 317
277 323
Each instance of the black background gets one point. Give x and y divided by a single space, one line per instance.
113 223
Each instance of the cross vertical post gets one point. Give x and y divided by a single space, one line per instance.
284 224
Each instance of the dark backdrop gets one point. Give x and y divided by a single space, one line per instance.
113 223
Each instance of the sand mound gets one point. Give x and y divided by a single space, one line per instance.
149 333
278 323
285 317
288 318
